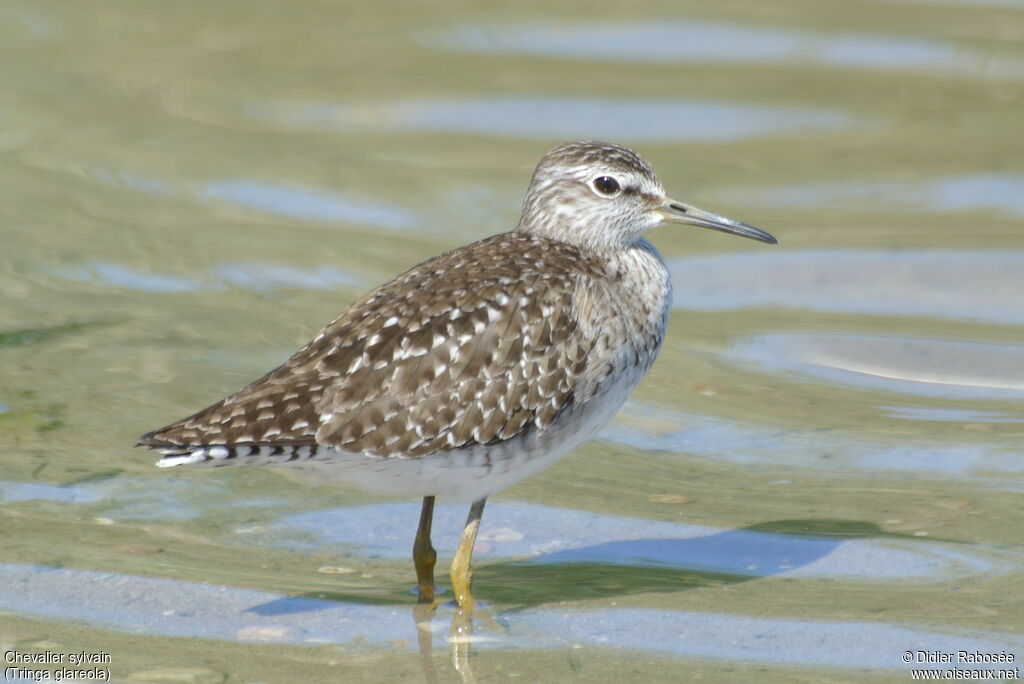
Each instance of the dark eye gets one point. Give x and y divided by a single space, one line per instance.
606 185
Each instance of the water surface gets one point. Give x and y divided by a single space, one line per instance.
822 471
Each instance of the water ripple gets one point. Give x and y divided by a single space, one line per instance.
552 536
164 607
262 277
729 43
12 491
951 415
130 278
919 366
981 285
999 192
270 197
559 117
259 277
996 467
307 204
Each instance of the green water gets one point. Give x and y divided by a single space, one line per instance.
823 470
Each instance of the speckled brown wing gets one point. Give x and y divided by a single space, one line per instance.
472 347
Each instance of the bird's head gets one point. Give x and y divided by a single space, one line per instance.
605 196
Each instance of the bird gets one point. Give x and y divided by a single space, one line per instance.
478 367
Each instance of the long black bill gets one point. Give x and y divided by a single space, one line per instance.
678 212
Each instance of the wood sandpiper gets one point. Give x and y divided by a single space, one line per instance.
475 368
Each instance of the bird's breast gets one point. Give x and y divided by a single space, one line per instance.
625 317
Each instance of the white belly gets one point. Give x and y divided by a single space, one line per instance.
470 474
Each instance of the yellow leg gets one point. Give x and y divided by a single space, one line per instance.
462 572
462 579
423 554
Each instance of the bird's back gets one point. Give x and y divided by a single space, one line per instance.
474 348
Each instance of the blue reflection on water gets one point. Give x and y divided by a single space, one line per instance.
125 178
561 117
131 278
11 492
548 535
173 608
966 284
271 197
736 552
919 366
728 43
999 192
261 277
308 204
993 466
128 498
753 639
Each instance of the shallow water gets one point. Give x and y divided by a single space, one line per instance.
823 470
